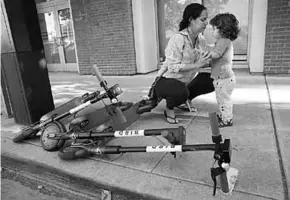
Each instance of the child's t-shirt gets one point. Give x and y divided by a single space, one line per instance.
222 67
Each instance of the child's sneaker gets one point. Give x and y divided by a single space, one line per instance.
222 123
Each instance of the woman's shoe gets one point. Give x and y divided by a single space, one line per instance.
171 118
187 108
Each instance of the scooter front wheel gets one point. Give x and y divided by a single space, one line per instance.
52 144
25 134
72 153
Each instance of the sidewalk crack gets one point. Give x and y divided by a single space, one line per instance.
281 164
158 163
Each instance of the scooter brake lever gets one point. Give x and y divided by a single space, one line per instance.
214 173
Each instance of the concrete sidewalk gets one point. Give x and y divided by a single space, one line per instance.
260 140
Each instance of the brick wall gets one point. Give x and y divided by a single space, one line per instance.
277 47
104 36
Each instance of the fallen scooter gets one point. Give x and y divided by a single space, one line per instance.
58 115
58 118
175 136
119 114
114 112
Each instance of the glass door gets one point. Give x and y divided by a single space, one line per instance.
57 35
66 35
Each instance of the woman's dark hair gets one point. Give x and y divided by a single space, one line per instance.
227 24
192 11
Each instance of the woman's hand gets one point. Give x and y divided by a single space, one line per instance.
203 59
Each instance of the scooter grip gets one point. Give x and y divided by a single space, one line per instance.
98 73
224 182
120 115
214 124
72 155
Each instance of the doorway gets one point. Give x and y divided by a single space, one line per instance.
56 27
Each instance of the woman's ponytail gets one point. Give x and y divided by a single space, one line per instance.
183 24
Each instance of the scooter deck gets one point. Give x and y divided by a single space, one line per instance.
103 115
62 109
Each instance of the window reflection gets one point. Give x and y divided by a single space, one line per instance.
49 37
67 35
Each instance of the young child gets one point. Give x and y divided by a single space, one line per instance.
225 31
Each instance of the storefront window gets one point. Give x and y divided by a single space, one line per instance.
173 10
49 37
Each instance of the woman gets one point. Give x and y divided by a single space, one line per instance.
185 55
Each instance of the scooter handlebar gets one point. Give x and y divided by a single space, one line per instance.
98 73
102 81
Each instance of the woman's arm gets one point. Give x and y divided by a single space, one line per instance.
174 55
202 61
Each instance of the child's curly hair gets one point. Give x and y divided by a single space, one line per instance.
227 24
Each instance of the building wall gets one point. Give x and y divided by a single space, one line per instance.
277 46
104 36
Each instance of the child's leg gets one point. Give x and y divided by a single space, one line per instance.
224 89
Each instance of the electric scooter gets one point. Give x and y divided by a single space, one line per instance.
58 118
119 114
91 145
59 114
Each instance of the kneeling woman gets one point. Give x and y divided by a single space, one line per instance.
185 56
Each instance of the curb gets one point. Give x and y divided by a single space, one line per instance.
89 188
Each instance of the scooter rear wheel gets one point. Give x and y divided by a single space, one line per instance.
52 144
25 134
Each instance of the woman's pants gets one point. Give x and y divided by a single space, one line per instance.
176 92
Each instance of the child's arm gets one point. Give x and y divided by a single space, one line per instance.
220 47
214 55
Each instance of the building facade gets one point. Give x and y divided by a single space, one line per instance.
277 39
127 37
